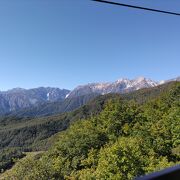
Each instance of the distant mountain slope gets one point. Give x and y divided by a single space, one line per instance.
70 104
50 108
150 124
119 86
18 98
170 80
19 134
47 101
15 131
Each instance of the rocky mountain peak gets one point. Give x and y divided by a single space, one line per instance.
140 79
122 80
122 85
19 98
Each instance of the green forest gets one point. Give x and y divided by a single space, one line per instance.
112 137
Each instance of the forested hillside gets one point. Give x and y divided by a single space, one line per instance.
19 134
112 137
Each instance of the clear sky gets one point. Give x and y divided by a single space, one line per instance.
65 43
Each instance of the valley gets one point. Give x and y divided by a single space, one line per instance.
100 122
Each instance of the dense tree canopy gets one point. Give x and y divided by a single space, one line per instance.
125 140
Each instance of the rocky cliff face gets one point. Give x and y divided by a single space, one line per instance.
119 86
18 98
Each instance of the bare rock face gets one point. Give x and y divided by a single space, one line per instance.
122 85
119 86
18 98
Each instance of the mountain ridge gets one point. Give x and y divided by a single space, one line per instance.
18 98
39 134
122 85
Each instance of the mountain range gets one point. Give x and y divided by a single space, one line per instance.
152 117
63 100
18 98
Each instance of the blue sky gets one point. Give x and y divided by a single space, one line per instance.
64 43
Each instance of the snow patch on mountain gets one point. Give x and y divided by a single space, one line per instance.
48 94
67 95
